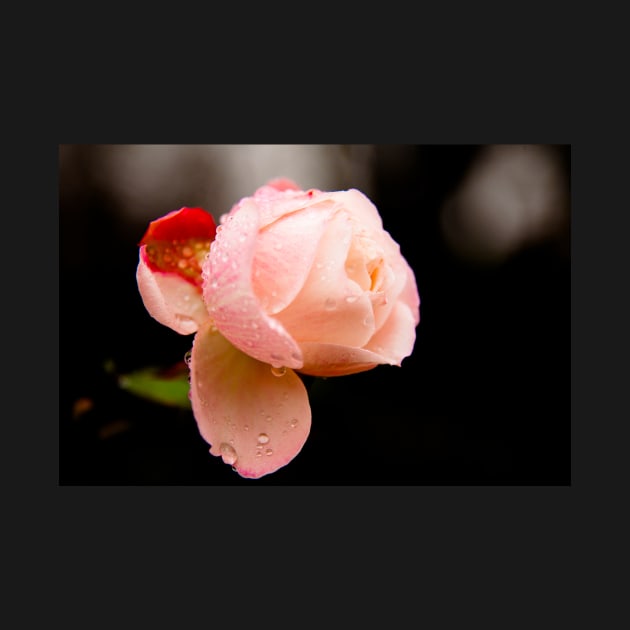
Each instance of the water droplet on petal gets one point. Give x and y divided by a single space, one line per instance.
263 438
330 304
258 454
184 319
294 422
268 452
351 298
227 453
246 427
279 371
187 251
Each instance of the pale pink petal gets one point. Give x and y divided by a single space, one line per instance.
285 252
273 204
255 421
395 339
360 207
282 184
331 308
392 279
410 295
230 297
327 359
170 299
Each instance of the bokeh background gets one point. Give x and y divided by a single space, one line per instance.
483 400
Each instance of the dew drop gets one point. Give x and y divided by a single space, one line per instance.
227 453
182 263
187 251
294 422
263 438
268 452
268 419
186 298
184 319
351 298
246 427
258 454
330 304
279 371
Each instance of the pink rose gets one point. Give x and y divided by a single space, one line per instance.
294 280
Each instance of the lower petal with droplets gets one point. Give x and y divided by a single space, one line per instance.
256 421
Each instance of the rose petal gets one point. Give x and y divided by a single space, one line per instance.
230 297
283 183
331 308
392 279
171 300
327 359
256 421
178 243
360 207
410 296
395 339
285 252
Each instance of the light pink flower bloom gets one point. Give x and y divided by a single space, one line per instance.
292 280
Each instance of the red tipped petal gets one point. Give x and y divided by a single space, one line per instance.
170 299
255 421
183 224
179 242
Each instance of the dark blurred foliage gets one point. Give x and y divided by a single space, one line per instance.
483 400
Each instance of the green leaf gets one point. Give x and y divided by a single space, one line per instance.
166 387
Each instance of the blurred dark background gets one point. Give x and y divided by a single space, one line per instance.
483 400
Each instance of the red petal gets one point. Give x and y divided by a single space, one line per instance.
179 242
181 224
